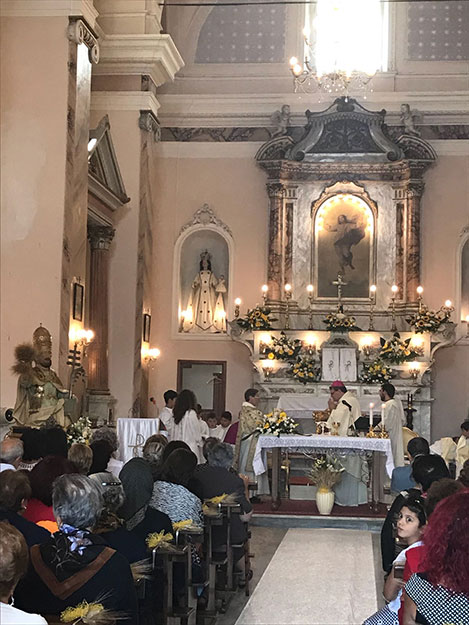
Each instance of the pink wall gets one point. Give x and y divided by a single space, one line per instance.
34 81
235 190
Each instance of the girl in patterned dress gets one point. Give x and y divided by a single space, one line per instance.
441 594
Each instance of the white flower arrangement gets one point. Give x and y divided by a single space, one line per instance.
277 423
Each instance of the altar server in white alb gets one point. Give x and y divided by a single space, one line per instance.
394 421
345 410
344 407
166 413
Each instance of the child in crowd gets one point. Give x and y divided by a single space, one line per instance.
410 523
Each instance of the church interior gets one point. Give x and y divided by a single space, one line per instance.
244 222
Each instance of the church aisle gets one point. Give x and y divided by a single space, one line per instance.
316 577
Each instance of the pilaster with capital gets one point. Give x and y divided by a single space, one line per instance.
414 192
100 238
275 269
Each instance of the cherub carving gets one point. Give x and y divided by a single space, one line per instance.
408 120
281 121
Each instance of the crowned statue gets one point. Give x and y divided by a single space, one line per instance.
40 394
205 310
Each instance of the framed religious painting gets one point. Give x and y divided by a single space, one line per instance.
146 327
78 301
344 243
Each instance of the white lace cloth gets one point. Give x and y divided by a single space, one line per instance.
341 444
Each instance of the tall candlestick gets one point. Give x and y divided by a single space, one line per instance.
382 417
288 294
394 290
419 297
264 289
237 305
309 288
371 415
371 325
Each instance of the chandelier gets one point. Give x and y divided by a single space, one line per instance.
308 79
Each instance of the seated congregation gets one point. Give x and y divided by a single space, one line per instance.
162 536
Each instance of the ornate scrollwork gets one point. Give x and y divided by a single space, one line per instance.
79 32
148 122
205 216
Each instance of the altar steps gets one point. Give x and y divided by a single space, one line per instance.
304 513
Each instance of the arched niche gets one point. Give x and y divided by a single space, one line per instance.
205 233
344 241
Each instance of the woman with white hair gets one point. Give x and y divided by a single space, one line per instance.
74 564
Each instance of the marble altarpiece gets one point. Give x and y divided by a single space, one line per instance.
345 199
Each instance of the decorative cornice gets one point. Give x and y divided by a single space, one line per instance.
124 101
79 32
100 237
203 217
149 122
50 8
152 55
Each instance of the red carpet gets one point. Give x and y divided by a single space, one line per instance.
308 508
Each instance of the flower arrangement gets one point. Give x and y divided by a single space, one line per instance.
277 422
283 348
80 431
305 370
340 322
428 320
396 350
376 372
325 472
256 319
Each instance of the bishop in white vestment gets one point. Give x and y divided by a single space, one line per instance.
351 490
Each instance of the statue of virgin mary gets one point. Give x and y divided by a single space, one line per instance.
205 310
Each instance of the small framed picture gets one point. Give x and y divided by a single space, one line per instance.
146 327
78 296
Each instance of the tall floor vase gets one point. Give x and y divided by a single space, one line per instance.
325 500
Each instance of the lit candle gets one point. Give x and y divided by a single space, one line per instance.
373 290
309 288
394 289
287 288
371 415
448 303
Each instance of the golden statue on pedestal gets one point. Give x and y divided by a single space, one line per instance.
41 394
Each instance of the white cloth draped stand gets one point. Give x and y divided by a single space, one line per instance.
132 434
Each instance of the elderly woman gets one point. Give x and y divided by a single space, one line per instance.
216 478
140 519
75 565
14 559
110 525
82 456
39 507
15 491
170 492
110 436
153 452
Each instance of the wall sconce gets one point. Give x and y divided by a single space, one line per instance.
267 367
237 304
417 344
264 289
311 344
265 340
81 336
150 354
366 346
414 370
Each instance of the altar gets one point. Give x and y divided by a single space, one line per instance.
374 447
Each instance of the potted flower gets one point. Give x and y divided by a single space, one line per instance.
325 472
283 348
256 319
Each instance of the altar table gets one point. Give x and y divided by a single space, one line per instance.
323 443
302 405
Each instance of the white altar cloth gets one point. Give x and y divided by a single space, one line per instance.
321 442
132 434
307 402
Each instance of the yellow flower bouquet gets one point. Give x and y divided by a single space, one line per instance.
256 319
277 422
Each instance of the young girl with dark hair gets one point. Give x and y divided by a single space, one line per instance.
410 523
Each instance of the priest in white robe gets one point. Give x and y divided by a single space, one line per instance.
394 420
345 410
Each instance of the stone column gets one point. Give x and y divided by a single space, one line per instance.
275 269
100 238
412 273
